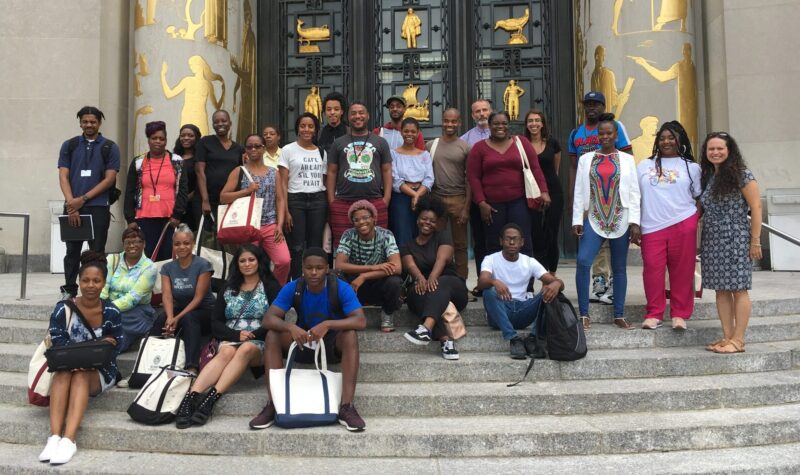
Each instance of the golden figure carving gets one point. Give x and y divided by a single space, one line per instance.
415 109
515 27
313 102
411 28
672 10
511 99
144 110
410 95
685 74
245 71
643 144
216 22
579 26
146 16
604 80
191 27
197 90
313 33
143 70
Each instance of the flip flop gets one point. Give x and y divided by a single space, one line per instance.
732 346
587 323
722 341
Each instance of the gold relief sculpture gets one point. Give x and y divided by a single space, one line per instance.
312 33
216 22
411 28
144 110
197 90
313 102
511 99
672 10
579 26
410 95
685 74
142 70
245 71
515 27
643 144
415 109
146 16
604 80
191 27
615 20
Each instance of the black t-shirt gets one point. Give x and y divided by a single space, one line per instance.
328 134
219 163
360 160
425 255
546 163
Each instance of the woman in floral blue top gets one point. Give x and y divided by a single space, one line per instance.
236 323
70 390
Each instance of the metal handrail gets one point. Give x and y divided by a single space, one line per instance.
781 234
26 217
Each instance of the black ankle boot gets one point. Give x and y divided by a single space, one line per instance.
203 412
183 418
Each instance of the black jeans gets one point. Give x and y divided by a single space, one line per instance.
309 214
384 292
193 326
433 304
544 233
101 218
478 236
152 228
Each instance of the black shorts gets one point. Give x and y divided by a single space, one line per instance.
333 355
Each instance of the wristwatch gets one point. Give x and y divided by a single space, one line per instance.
85 198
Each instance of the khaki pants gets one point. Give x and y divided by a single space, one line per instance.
601 265
454 205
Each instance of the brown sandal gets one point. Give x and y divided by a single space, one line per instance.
587 323
721 342
732 346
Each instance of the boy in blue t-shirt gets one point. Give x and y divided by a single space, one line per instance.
316 319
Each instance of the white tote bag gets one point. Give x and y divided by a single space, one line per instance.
156 352
240 221
220 260
531 187
39 378
161 396
305 397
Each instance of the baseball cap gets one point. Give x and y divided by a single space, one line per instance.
594 96
396 98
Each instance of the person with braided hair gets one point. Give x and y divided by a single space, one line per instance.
670 184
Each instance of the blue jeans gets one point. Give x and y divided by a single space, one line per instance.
588 247
511 315
402 220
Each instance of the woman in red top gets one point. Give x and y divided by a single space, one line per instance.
494 171
156 192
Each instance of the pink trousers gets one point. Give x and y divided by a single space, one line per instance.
671 248
278 252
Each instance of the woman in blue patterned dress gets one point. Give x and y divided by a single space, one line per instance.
236 324
729 243
70 390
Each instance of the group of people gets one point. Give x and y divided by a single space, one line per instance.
399 210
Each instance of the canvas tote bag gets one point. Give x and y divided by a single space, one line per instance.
240 221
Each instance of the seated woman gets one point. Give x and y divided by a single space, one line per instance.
428 259
236 323
187 300
131 277
70 390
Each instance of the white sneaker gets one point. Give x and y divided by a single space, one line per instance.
608 296
598 288
50 448
64 452
122 383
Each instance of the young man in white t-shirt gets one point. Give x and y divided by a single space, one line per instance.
504 280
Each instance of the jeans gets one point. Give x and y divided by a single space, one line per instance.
192 326
510 315
152 228
101 217
402 221
136 323
514 211
588 248
309 214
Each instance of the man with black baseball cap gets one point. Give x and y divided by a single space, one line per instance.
391 130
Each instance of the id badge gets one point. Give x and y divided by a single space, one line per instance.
86 173
154 198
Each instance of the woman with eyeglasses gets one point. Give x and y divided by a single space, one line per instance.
265 185
729 243
670 185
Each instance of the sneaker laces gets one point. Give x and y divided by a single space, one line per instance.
186 404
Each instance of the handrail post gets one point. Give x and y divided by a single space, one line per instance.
24 279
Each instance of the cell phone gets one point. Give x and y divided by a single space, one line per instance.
311 345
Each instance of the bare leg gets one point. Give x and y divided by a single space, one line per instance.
83 384
247 354
347 343
743 308
725 312
59 400
213 370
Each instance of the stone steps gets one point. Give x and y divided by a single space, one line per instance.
477 436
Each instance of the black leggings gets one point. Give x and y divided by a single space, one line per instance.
384 292
544 233
193 326
433 304
309 214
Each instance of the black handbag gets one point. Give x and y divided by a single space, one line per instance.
92 354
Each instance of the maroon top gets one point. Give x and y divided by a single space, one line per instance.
498 178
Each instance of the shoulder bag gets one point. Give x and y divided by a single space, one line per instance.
93 354
240 221
39 378
154 353
161 396
531 188
453 322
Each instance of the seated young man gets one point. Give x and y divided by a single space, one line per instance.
369 258
316 319
504 280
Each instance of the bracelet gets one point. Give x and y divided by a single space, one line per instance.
755 245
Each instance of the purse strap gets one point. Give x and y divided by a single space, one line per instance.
434 145
522 154
76 311
154 255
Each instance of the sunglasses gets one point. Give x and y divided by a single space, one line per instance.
717 134
254 147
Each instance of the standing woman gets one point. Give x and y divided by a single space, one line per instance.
606 187
272 145
670 185
546 221
494 170
412 178
70 390
155 193
264 185
216 157
301 169
184 146
729 243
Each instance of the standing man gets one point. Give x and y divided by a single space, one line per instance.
480 115
359 168
87 172
391 130
583 140
450 186
335 106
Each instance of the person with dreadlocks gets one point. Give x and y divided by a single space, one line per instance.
670 185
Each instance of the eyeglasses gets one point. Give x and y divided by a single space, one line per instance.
717 134
362 219
132 242
254 147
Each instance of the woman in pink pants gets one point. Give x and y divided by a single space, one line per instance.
670 185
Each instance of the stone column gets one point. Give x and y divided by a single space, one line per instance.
191 58
642 56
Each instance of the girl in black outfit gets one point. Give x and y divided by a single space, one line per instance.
545 222
184 146
428 259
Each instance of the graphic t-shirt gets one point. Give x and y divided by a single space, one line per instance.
184 281
359 160
584 139
365 253
316 307
306 168
514 274
670 198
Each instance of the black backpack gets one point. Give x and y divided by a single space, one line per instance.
565 338
105 151
333 296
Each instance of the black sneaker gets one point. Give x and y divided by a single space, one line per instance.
183 418
449 351
420 336
206 407
533 347
265 418
518 349
348 417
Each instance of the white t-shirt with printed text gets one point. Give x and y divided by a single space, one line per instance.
670 198
306 168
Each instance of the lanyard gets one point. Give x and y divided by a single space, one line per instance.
353 141
150 170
